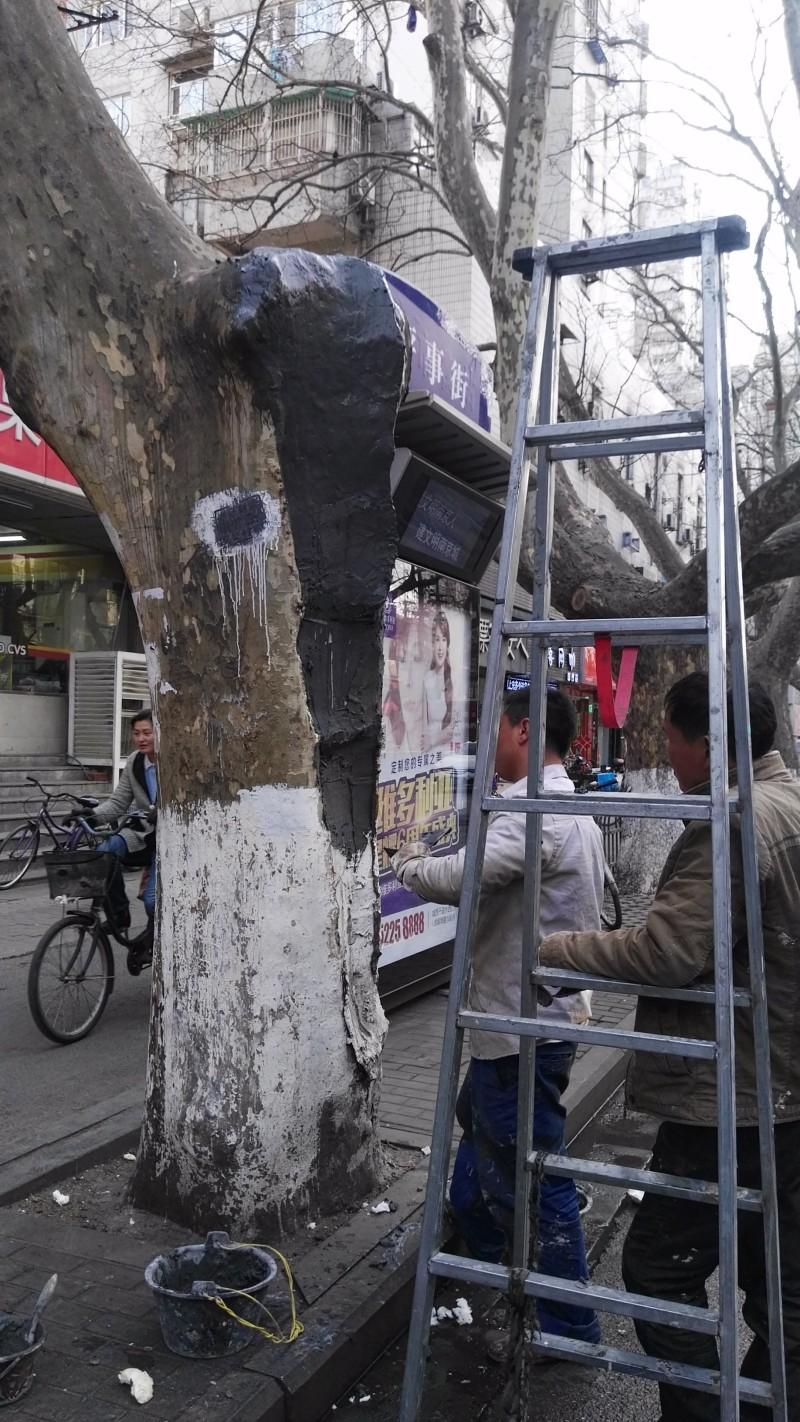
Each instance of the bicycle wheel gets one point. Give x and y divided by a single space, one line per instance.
611 912
17 853
70 978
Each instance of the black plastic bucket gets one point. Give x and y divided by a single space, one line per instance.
17 1358
186 1282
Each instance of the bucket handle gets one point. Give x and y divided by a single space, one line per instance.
296 1327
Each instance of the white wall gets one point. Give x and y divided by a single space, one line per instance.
32 725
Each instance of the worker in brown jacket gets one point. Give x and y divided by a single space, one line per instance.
672 1246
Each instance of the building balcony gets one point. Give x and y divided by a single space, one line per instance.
286 169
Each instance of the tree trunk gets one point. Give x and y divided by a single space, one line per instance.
774 656
232 424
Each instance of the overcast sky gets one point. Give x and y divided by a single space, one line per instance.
719 40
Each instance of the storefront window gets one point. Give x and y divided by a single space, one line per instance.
53 601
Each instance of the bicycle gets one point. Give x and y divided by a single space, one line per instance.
71 975
611 912
20 847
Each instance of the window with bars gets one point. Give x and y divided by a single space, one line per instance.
220 147
304 125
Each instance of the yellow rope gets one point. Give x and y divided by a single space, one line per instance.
296 1326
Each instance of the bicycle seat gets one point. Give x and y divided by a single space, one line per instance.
88 801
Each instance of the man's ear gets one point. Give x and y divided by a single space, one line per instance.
523 728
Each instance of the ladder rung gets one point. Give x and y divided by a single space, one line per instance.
599 1172
601 802
646 444
624 631
643 1365
594 1036
587 982
665 422
635 249
572 1291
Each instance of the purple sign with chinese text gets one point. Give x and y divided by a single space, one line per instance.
441 361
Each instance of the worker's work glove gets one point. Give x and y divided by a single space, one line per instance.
409 854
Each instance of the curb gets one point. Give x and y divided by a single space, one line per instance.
358 1291
95 1138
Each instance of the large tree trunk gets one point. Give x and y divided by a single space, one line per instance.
232 424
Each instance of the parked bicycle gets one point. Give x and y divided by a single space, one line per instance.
20 847
71 975
611 912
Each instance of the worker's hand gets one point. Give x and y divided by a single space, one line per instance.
409 854
551 951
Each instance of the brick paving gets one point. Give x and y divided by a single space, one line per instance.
101 1321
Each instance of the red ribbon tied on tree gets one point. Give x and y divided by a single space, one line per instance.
613 705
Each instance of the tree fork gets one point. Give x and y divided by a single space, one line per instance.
232 422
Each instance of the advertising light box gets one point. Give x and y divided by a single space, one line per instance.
442 522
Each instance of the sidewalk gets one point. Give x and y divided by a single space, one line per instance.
354 1286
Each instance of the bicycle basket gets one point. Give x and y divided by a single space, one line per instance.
77 873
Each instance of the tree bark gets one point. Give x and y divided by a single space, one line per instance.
535 24
773 659
232 424
452 127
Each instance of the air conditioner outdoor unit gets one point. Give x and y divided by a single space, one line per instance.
105 690
473 19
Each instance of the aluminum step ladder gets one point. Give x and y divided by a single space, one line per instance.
710 430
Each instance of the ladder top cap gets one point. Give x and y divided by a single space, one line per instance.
658 244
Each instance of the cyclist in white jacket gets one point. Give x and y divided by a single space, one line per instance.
482 1188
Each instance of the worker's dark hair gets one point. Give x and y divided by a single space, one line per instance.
561 723
686 704
144 715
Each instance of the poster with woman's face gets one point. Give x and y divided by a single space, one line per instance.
427 759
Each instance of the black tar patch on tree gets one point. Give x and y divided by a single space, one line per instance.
320 342
238 524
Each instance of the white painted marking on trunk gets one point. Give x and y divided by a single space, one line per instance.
356 888
153 662
244 551
258 1049
165 687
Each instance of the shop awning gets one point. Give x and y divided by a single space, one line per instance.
437 432
49 512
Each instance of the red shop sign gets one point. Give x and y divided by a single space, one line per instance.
24 452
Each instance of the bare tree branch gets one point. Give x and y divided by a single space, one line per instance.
452 125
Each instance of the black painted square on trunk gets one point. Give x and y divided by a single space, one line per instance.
238 524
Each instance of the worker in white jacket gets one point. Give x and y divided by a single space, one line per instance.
482 1188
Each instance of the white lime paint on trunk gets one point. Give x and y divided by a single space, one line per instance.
355 905
240 529
256 907
646 843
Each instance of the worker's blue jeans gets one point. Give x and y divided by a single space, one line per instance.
483 1186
